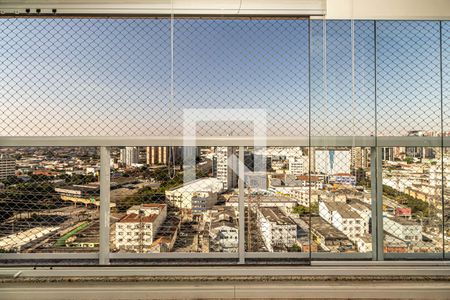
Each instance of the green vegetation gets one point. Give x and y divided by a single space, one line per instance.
2 250
61 242
409 160
26 196
302 210
295 248
417 206
149 195
78 178
10 180
144 195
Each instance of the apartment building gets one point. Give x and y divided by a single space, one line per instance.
284 203
343 178
223 230
129 156
343 218
224 167
364 243
163 155
301 194
298 165
7 166
278 231
328 237
363 209
157 155
403 229
195 196
359 158
137 229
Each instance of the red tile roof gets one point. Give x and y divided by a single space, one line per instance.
134 218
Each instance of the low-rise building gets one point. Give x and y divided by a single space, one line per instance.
328 237
302 195
137 229
343 178
403 229
277 230
284 203
394 245
223 230
86 194
167 236
343 218
363 209
364 243
195 197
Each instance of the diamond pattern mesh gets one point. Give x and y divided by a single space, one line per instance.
136 77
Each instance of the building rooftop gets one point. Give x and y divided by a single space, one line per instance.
275 215
135 218
343 209
358 204
403 221
208 184
343 174
148 205
263 199
326 229
223 216
78 188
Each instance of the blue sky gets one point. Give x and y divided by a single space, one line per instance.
113 76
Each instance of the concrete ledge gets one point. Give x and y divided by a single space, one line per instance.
226 290
422 269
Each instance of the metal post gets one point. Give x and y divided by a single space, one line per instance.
373 186
379 207
104 205
241 207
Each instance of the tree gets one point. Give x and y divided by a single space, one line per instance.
144 195
409 160
300 210
315 208
295 248
415 204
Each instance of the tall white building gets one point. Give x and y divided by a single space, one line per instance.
129 156
298 165
7 166
332 161
387 153
224 166
157 155
359 157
